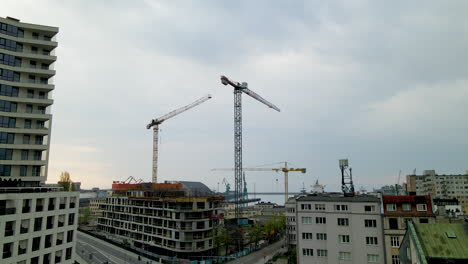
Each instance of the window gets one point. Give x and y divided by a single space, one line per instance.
320 220
24 154
322 252
41 95
306 220
9 228
29 108
307 236
30 94
27 123
341 207
406 207
26 139
8 44
7 90
37 155
423 220
69 236
71 219
7 250
8 29
344 255
306 206
68 253
36 170
35 35
6 59
343 238
395 259
48 241
395 241
7 122
22 246
7 138
371 240
391 207
7 106
369 208
321 236
393 223
39 140
421 207
5 170
6 154
372 258
37 224
343 221
23 170
36 244
307 252
320 207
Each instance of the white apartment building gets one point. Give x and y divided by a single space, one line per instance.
331 228
440 186
37 222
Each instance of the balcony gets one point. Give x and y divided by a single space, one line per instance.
7 211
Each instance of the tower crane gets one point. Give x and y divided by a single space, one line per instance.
284 169
240 88
155 125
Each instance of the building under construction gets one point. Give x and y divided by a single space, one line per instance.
174 219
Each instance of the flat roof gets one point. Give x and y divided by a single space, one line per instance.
338 197
444 240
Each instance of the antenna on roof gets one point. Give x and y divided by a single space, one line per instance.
347 185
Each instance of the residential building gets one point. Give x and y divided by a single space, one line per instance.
435 244
397 211
332 228
37 222
172 219
440 186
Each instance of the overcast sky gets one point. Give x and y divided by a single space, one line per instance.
383 83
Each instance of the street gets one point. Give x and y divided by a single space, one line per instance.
258 256
103 252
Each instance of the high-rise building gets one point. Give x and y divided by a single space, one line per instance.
440 186
331 228
398 210
37 222
168 220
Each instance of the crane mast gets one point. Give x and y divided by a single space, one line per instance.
240 88
155 125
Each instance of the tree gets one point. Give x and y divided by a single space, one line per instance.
222 238
255 234
65 182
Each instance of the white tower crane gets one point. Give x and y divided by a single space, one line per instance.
155 125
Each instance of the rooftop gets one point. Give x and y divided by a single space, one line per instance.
338 197
441 240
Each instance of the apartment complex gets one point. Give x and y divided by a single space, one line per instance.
435 244
332 228
37 222
398 210
440 186
173 219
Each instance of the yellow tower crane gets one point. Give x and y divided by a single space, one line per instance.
286 169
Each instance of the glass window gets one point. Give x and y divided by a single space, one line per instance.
341 207
343 238
30 94
321 236
369 208
39 140
29 108
7 138
395 259
7 90
406 207
421 207
320 207
24 154
393 223
23 170
6 154
307 252
307 236
7 106
395 241
371 240
343 221
391 207
26 139
320 220
27 123
372 258
5 170
344 255
306 220
322 252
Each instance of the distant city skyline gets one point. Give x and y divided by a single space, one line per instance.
382 84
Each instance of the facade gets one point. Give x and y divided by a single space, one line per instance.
398 210
170 219
435 244
331 228
440 186
37 222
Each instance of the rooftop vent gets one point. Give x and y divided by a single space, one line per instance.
451 234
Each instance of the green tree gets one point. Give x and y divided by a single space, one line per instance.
65 182
222 238
255 234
